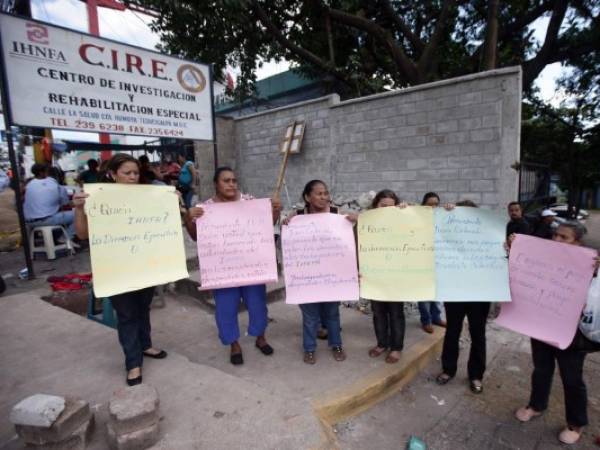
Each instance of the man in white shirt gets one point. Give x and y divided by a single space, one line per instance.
43 200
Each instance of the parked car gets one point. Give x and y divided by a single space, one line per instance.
561 211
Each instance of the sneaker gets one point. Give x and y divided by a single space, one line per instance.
428 328
309 358
338 353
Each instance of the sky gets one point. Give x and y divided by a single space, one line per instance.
133 28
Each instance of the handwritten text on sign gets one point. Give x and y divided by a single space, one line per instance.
135 237
549 282
469 251
236 246
395 252
319 259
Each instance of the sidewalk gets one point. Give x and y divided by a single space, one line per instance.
275 402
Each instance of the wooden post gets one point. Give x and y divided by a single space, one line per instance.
286 155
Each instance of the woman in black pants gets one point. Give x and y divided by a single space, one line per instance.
476 313
570 364
133 308
388 317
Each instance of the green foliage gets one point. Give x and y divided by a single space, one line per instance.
366 46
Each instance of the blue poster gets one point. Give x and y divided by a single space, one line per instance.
470 260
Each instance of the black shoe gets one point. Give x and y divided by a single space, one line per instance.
134 381
476 386
265 349
160 355
236 359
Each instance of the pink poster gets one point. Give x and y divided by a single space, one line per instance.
236 246
549 282
319 259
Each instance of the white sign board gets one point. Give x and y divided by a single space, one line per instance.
63 79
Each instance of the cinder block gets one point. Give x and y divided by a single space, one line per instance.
136 440
133 408
469 98
482 185
76 413
39 410
78 440
446 126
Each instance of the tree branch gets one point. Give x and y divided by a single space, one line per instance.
404 64
414 40
296 49
533 67
426 58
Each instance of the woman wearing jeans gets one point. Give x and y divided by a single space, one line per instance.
133 308
570 364
317 200
431 312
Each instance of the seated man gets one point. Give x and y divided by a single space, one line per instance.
43 200
546 225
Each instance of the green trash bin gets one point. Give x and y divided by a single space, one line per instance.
106 315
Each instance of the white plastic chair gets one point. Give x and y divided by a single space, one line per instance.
48 246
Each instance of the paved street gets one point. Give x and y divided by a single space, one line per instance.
452 418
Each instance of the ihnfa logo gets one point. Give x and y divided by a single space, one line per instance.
37 48
37 33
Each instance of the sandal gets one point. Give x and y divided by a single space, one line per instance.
376 351
569 435
265 349
309 357
443 378
391 359
236 359
338 353
476 386
526 413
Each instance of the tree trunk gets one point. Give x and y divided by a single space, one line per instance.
490 59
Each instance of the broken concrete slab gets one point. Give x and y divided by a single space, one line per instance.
76 413
39 410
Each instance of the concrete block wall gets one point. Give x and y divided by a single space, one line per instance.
456 137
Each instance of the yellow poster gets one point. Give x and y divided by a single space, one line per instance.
395 253
136 238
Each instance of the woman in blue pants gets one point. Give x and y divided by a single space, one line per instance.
227 300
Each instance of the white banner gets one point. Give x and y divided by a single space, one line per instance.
63 79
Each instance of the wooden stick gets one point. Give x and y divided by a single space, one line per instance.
286 155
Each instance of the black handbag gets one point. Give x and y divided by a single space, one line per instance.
583 344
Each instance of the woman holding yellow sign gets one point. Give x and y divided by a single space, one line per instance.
133 308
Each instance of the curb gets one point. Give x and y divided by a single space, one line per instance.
360 396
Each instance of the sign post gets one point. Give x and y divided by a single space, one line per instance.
14 164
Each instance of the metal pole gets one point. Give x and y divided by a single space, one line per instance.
214 119
16 180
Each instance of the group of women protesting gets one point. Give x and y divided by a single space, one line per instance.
323 319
